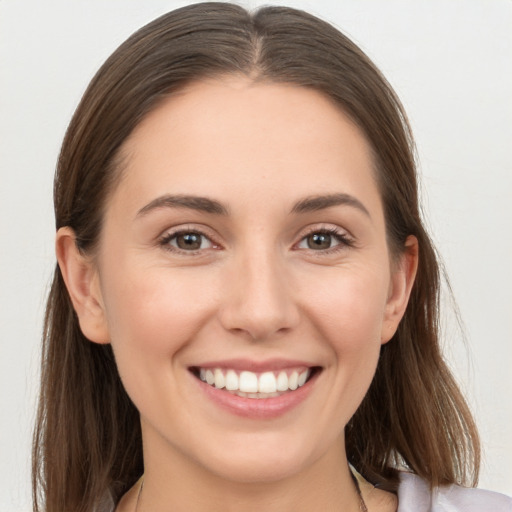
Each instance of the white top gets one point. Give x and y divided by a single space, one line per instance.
414 495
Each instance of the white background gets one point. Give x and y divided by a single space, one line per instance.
451 63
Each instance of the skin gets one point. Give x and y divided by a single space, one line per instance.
256 289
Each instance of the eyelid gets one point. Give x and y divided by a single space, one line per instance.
170 233
344 237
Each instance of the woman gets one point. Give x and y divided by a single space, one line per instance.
246 299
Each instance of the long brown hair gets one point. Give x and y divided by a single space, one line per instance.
87 440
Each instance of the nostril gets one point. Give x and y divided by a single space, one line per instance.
259 306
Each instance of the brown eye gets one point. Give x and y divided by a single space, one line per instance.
188 241
325 241
319 241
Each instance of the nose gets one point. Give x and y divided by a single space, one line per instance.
259 300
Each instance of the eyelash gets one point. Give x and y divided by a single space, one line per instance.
343 239
165 240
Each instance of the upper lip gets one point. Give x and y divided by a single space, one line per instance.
255 366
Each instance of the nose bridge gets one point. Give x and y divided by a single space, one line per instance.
259 302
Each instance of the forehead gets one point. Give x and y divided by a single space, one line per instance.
230 133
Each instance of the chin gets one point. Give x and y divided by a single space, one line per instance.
258 469
263 459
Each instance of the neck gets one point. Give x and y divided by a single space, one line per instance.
175 483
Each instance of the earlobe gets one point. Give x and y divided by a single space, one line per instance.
82 282
402 281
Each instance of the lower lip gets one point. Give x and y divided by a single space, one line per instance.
258 408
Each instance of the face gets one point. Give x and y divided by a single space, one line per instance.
244 280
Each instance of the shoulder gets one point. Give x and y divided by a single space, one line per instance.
414 495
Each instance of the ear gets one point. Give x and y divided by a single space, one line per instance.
82 281
403 273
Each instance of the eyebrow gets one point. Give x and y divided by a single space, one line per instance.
202 204
205 204
314 203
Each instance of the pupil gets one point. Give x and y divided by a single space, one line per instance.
319 241
189 241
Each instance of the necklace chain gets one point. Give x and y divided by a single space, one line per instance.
139 493
362 504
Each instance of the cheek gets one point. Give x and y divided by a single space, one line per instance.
153 313
348 313
350 309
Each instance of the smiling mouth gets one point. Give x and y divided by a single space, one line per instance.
257 385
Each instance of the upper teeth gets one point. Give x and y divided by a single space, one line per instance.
250 382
